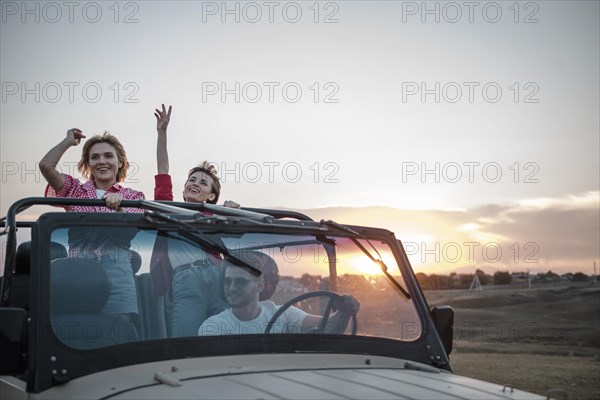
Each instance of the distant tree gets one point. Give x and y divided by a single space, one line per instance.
550 275
434 281
580 277
354 282
465 279
483 278
310 281
452 280
443 281
502 278
568 275
423 280
438 281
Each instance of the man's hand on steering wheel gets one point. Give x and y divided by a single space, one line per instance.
347 305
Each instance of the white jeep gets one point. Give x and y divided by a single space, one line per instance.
59 341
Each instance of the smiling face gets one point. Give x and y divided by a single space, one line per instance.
241 287
104 165
104 160
199 188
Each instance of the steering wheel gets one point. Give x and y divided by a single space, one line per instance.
333 298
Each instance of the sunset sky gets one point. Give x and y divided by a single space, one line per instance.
471 131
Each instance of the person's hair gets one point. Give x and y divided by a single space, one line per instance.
211 171
269 271
84 164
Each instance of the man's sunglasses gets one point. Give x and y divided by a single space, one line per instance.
241 282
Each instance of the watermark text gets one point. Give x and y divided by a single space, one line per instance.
469 171
69 92
452 12
269 92
253 12
489 252
469 92
53 12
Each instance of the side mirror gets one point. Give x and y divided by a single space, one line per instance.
443 318
13 339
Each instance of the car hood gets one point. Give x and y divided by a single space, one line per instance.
282 376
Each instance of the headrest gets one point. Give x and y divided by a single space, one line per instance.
264 263
23 257
78 285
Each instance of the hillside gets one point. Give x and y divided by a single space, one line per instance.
535 339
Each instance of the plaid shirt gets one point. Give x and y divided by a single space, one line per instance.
89 242
74 189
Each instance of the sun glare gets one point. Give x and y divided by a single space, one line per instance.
468 227
364 265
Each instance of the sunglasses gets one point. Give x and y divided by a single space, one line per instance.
241 282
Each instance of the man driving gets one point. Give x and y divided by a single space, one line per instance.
249 315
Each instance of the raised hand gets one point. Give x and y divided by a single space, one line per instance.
48 163
162 155
231 204
74 136
162 118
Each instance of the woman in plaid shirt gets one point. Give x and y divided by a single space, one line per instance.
104 163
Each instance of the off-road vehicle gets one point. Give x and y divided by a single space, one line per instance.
58 343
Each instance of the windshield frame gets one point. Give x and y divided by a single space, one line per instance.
46 347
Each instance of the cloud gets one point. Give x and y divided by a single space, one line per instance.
567 230
562 234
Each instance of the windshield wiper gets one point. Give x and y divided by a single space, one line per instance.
197 236
378 261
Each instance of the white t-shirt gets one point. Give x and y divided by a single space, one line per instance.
226 323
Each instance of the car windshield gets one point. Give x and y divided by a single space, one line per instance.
122 284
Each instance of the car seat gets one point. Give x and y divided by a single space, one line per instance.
79 290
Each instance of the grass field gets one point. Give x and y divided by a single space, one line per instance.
542 340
